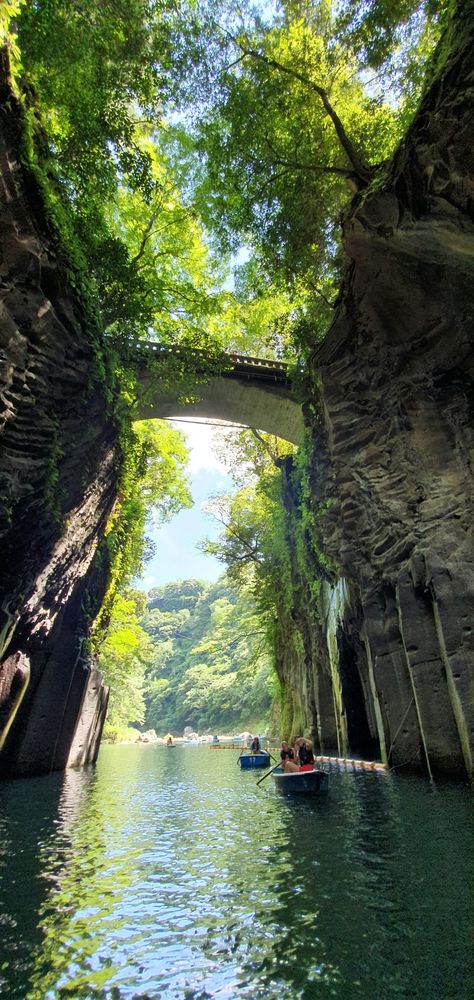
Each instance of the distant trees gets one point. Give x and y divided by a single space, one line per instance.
211 666
188 653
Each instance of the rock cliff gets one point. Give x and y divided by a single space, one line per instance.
58 469
395 636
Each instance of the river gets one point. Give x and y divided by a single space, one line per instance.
169 874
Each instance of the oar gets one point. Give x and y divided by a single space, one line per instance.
259 782
240 754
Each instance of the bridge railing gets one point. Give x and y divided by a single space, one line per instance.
243 365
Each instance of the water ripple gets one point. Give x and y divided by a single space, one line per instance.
155 879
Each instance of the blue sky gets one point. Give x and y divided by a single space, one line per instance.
176 556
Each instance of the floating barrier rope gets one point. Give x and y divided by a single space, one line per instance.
369 765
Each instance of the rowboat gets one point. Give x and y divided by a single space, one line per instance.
308 782
261 759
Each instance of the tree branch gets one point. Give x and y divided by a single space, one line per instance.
277 461
362 169
252 552
144 240
319 168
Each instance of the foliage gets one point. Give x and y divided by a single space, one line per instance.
152 486
97 68
271 544
288 120
125 654
211 667
389 34
96 77
8 13
154 246
178 596
253 543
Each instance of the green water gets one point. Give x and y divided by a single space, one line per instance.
168 874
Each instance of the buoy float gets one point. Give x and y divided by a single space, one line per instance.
371 765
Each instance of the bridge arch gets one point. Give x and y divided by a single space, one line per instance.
252 392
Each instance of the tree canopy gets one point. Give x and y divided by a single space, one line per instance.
176 133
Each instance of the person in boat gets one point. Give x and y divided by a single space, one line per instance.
304 756
255 745
286 752
290 762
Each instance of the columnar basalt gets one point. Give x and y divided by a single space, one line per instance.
396 388
58 469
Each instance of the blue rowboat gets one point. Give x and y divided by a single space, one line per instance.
297 782
261 759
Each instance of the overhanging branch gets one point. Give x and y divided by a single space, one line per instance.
362 170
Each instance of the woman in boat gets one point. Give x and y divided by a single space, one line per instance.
255 745
286 752
304 756
291 763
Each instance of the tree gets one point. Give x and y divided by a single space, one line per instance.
98 70
253 539
153 486
125 654
157 488
176 596
95 79
288 128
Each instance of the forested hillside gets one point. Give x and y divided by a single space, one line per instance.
211 664
187 654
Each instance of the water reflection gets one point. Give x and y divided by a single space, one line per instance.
171 875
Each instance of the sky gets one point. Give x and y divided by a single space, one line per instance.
176 556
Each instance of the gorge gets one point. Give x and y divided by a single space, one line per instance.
375 649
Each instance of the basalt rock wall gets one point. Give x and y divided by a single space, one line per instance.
395 635
58 470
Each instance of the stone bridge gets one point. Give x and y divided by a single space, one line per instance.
250 392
